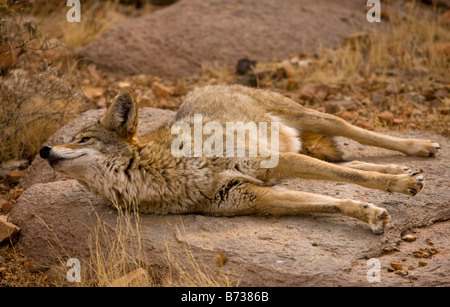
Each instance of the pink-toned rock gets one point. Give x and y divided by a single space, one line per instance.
160 90
386 116
310 91
14 176
7 229
177 40
6 207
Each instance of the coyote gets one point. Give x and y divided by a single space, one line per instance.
110 160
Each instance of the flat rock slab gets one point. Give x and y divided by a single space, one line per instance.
176 41
60 220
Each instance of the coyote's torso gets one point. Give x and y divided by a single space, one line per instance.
167 172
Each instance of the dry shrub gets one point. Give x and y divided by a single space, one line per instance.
36 99
96 18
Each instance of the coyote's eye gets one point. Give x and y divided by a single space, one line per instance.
84 140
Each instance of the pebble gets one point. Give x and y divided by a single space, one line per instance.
409 238
397 266
423 263
142 80
6 207
244 65
12 164
160 90
14 176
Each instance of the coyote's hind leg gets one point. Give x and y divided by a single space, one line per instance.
292 202
245 198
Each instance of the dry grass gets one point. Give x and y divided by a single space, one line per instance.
35 98
118 259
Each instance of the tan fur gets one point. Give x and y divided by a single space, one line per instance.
110 160
320 146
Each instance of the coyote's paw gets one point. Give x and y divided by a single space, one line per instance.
423 148
378 218
394 169
410 184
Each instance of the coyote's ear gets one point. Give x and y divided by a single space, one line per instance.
122 115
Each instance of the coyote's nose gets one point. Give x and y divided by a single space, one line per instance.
44 152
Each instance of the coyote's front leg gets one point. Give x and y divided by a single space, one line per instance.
296 165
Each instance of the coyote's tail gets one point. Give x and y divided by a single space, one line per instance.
320 146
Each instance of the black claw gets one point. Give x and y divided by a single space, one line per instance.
412 192
430 154
389 191
365 206
415 173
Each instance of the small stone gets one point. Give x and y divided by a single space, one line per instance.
145 102
160 90
142 80
364 123
415 97
310 91
93 93
12 164
7 229
429 242
401 273
314 244
244 65
289 71
418 254
442 49
397 266
441 93
409 238
411 267
7 57
335 106
14 176
435 250
398 121
6 207
348 116
15 194
423 263
426 255
386 116
390 270
391 89
445 18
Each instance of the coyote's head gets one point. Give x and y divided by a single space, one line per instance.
102 151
